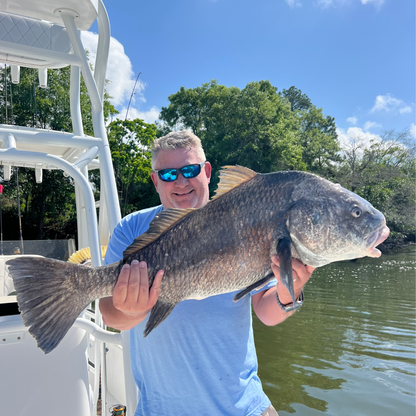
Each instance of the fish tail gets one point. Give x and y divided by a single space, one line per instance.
50 296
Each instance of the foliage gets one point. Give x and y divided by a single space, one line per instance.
318 137
257 126
253 127
130 143
384 173
47 209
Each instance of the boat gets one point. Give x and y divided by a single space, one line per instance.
91 363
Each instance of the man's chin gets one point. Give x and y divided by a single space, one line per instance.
185 203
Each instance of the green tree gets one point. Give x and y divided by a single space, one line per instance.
298 101
254 126
130 143
319 138
48 209
319 141
384 173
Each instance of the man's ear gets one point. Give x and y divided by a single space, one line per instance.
154 177
208 170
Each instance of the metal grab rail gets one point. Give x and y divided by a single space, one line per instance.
97 332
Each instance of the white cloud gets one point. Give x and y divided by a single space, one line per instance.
119 70
356 138
389 103
355 141
352 120
377 3
149 116
405 110
324 3
413 130
293 3
370 124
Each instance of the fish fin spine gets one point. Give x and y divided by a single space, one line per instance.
161 223
231 177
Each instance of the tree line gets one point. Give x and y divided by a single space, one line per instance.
257 126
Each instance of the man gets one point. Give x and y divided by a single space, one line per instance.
202 359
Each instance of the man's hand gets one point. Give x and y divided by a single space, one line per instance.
301 275
131 293
265 304
132 300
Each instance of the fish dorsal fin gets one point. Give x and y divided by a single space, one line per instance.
231 177
160 223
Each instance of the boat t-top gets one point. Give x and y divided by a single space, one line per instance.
45 35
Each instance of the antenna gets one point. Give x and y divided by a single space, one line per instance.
132 93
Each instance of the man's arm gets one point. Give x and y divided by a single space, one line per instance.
132 300
265 304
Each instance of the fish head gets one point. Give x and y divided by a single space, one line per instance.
334 224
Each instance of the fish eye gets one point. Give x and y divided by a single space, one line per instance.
356 212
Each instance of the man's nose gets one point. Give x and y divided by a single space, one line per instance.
181 180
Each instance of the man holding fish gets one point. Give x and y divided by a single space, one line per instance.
202 360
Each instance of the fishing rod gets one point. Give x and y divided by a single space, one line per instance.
132 93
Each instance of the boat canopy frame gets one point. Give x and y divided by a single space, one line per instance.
56 25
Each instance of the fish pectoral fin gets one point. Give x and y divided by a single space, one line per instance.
257 285
285 258
158 314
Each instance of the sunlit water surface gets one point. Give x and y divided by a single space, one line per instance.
350 350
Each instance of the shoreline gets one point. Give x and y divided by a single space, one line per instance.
395 247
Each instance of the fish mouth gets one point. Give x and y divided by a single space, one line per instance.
376 238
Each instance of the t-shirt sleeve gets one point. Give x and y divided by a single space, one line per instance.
127 230
118 243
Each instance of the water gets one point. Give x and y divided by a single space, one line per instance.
350 350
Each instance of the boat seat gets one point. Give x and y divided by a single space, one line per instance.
18 30
33 383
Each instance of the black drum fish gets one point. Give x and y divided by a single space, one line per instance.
222 247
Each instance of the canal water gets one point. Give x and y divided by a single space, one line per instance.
350 349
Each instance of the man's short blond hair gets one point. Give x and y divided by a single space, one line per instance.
177 140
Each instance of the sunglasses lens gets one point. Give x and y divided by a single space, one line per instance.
191 171
168 175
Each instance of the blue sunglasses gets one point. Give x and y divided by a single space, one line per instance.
188 171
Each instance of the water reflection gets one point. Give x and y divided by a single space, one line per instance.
350 350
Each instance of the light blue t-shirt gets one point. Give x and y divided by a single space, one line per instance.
201 360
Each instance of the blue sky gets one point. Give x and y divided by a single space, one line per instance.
355 59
